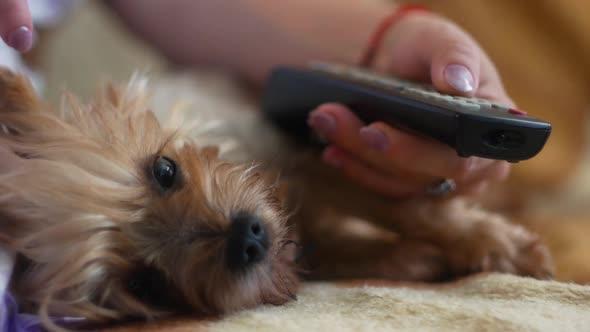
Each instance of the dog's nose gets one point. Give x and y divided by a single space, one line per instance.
247 243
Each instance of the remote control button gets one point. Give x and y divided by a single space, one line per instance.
431 96
389 83
469 106
501 108
517 112
483 104
467 102
415 91
486 106
450 102
441 100
384 82
427 96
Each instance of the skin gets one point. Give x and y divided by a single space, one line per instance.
15 15
252 36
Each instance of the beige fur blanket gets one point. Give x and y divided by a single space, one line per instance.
484 303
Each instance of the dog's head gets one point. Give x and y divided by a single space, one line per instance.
115 214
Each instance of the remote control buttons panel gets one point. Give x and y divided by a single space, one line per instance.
370 78
421 92
441 100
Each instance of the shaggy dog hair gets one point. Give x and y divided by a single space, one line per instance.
117 211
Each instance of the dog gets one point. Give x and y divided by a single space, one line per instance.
118 211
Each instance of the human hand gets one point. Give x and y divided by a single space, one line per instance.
16 25
422 47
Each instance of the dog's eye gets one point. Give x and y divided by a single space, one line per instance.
164 171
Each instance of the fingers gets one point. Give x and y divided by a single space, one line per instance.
442 54
410 152
428 48
337 124
395 162
455 64
400 184
365 175
16 26
386 148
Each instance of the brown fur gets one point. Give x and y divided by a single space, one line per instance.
80 207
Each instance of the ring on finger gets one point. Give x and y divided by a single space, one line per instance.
443 188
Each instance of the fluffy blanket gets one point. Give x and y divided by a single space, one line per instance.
484 303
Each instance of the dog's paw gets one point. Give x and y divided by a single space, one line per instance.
529 259
496 246
414 261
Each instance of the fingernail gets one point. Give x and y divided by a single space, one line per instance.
332 158
21 39
459 77
323 123
374 138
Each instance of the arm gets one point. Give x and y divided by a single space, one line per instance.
251 36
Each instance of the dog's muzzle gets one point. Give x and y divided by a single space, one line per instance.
248 242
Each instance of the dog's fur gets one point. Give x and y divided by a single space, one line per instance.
97 236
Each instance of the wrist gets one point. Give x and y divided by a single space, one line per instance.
332 33
372 54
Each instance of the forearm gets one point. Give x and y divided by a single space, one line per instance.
251 36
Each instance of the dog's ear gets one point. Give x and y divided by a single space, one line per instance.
16 93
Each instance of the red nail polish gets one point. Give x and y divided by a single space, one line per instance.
516 112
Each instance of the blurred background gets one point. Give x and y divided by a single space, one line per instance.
541 48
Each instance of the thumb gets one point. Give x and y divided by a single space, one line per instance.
430 49
455 65
16 26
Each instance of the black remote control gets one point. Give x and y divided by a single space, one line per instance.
472 126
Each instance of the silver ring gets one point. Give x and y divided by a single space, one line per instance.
445 187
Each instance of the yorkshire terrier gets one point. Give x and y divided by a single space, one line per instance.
117 214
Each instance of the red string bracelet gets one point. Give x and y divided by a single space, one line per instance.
376 39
